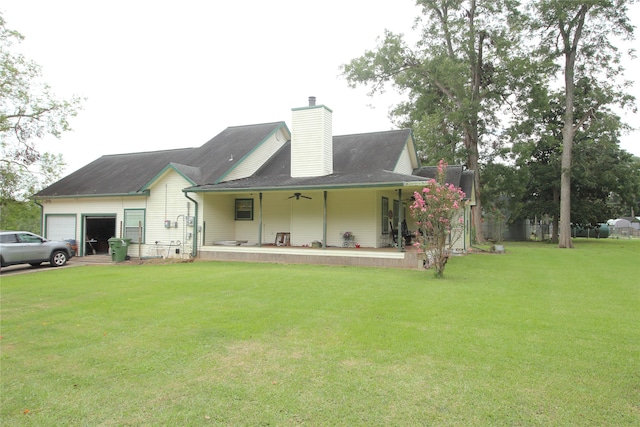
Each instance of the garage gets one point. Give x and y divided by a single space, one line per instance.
98 230
60 227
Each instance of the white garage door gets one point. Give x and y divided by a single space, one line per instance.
61 227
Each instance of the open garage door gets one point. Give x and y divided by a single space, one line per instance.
98 230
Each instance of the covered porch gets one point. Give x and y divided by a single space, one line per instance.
389 257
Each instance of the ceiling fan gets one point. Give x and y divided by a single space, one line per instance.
298 195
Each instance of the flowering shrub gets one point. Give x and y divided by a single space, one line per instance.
435 209
347 235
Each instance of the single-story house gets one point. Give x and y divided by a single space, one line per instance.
249 189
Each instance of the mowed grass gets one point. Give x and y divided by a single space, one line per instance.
537 336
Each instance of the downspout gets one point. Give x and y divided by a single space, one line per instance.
324 222
194 252
399 225
260 224
41 217
466 229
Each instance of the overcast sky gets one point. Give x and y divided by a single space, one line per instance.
167 74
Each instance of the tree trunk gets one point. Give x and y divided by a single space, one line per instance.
567 146
472 163
471 134
565 174
565 192
568 130
556 221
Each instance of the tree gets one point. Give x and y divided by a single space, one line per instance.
579 33
457 78
436 210
626 202
28 112
28 109
601 170
503 188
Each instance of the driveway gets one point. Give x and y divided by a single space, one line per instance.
73 262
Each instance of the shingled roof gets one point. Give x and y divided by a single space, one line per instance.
121 174
358 160
455 175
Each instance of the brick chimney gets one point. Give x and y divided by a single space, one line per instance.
311 141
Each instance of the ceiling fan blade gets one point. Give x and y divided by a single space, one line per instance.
297 196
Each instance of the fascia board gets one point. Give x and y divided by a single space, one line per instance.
258 145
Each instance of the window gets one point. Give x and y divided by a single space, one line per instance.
396 212
244 209
8 238
133 220
29 238
385 215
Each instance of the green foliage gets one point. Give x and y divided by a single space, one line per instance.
601 170
28 108
579 36
17 211
459 78
20 215
28 111
502 340
481 66
435 210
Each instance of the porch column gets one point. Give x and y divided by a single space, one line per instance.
324 222
399 225
260 222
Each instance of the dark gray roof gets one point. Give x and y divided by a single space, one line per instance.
455 175
130 173
114 174
359 160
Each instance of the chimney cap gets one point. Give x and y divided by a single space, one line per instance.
312 101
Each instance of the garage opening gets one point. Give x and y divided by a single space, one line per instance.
98 230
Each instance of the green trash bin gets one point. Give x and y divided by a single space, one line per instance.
119 248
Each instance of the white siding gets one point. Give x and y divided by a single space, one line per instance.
221 224
311 142
167 202
404 164
219 218
354 211
95 206
256 158
276 209
306 219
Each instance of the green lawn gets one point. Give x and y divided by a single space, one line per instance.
537 336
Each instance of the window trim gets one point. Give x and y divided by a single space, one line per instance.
125 227
239 208
385 215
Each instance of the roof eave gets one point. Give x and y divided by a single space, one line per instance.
264 140
308 187
144 193
171 165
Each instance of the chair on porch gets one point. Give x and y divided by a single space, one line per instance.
405 233
283 239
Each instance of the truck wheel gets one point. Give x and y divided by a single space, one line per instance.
58 258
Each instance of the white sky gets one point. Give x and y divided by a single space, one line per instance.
166 74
